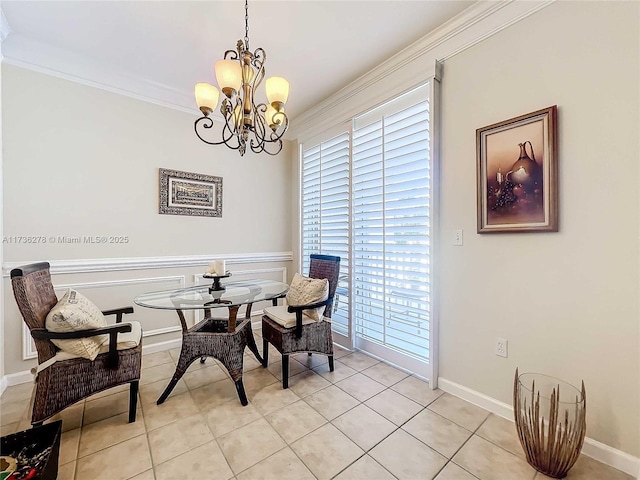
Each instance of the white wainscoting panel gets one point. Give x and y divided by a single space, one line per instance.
28 346
147 263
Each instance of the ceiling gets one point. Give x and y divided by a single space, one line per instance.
319 46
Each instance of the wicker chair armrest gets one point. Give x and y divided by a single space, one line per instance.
44 334
297 309
300 308
274 300
118 312
111 330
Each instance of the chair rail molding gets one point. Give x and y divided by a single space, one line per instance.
145 263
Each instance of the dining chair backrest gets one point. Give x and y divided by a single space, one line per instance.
35 297
326 266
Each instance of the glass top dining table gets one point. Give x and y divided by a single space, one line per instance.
215 337
231 295
202 296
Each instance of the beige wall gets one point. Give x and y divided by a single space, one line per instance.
82 161
2 335
567 302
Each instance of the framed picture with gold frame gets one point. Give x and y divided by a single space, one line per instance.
186 193
517 174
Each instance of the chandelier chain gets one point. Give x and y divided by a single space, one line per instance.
246 24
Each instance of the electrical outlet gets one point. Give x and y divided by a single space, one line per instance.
501 347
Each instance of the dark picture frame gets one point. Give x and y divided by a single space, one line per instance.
186 193
517 174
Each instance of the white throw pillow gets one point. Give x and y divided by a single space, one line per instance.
72 313
307 291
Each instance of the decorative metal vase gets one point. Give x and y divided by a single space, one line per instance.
550 417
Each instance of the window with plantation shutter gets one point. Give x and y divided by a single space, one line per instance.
391 227
325 214
367 196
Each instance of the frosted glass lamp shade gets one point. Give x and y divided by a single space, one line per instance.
277 90
206 97
229 76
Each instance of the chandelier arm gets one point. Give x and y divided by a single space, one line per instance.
229 135
284 125
260 122
277 151
256 147
231 55
259 58
263 143
228 130
206 123
259 76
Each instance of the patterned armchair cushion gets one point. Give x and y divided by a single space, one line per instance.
306 291
72 313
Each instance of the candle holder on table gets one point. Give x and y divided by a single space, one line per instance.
216 286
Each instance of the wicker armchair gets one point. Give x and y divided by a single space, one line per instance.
312 337
65 382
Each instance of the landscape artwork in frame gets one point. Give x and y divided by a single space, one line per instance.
517 174
186 193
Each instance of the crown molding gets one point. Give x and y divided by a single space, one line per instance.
5 29
481 20
478 22
37 56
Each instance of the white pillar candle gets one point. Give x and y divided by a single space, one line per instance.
220 267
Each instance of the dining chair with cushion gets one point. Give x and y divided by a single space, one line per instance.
304 325
79 354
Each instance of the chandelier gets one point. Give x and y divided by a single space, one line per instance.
258 125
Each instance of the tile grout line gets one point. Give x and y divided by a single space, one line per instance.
463 444
263 415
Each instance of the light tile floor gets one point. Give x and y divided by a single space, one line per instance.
366 420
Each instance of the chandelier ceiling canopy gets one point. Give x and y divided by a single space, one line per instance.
260 126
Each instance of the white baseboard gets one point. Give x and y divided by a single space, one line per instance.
488 403
591 448
161 346
18 378
3 385
611 456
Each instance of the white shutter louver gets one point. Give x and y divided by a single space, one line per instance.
325 214
391 201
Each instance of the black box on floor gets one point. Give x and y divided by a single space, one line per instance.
32 443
